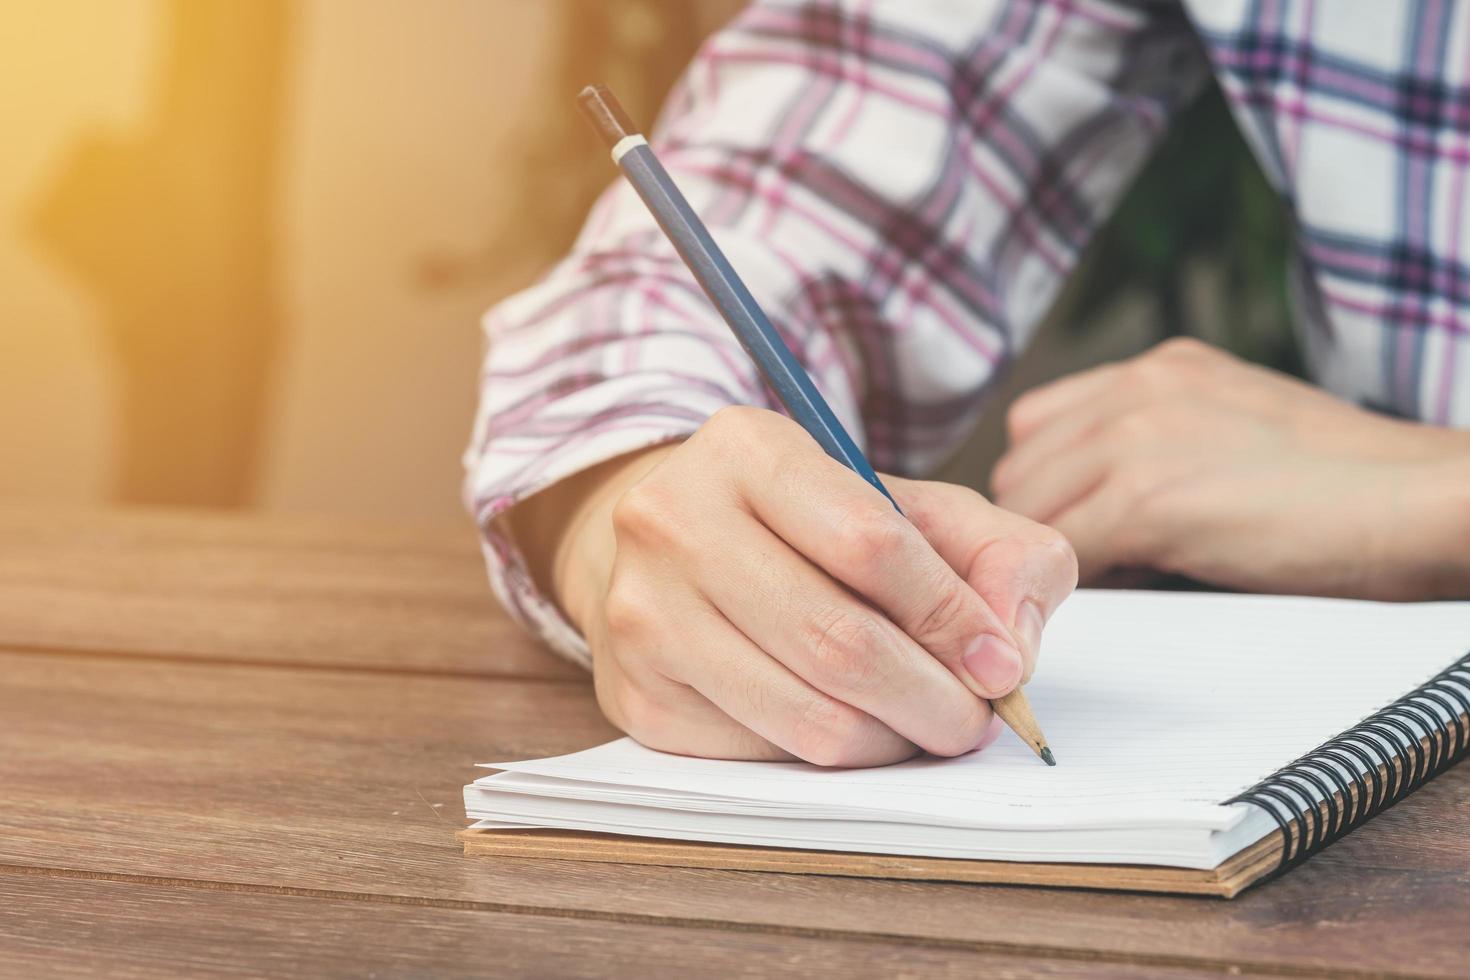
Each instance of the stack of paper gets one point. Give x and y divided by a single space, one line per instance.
1159 706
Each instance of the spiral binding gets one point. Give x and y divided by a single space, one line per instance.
1342 776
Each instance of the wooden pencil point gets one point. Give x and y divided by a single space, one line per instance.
1015 711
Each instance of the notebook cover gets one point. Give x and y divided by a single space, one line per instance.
1225 881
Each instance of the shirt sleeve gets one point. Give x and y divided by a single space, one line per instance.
903 185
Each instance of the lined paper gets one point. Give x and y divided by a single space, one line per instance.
1159 706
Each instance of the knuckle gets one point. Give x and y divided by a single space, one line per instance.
845 647
1180 357
830 733
1056 556
1054 547
735 426
930 503
1182 348
952 616
962 737
1156 369
643 717
643 512
626 614
1135 428
1148 372
1017 417
870 539
730 416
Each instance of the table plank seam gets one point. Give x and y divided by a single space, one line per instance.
1230 967
202 660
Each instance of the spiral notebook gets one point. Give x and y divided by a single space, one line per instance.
1204 742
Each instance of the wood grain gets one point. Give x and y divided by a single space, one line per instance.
214 586
326 781
49 927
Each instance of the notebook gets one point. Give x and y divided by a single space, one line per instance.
1203 743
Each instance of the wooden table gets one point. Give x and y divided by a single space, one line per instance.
235 747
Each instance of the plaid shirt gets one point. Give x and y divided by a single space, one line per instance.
904 184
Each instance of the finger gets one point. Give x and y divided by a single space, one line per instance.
841 646
828 514
671 717
1040 406
1059 482
636 653
747 685
1022 569
1031 454
677 638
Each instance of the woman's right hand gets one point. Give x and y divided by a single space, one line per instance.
745 596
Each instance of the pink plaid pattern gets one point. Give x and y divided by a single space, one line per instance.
904 185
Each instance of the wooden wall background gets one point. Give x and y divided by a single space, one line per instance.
244 246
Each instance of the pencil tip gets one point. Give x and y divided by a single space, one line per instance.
1047 757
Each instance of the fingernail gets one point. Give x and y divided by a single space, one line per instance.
995 665
1028 626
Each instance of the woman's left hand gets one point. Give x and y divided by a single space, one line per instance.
1189 461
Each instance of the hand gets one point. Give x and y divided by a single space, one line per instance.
746 596
1189 461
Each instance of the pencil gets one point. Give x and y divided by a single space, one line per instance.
720 282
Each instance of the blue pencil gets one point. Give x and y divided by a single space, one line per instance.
784 373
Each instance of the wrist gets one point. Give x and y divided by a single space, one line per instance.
582 564
565 531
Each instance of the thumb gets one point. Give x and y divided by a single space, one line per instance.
1023 570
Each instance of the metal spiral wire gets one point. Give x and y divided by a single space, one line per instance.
1349 779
